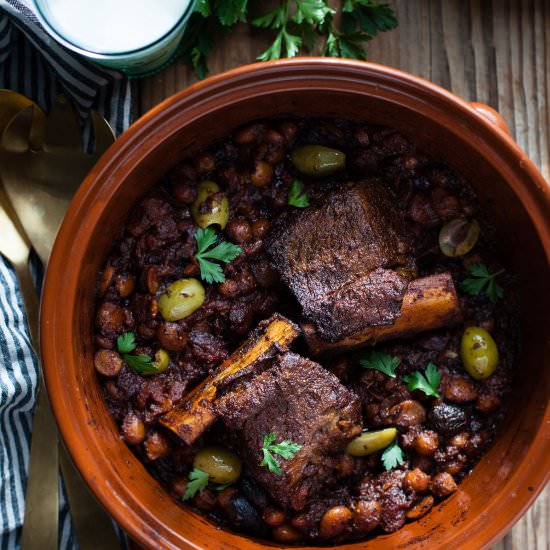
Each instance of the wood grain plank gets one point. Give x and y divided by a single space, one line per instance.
492 51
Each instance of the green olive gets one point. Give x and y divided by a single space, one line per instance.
479 353
370 442
458 237
209 211
316 160
180 299
221 465
161 362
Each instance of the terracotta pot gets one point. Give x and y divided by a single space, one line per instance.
515 198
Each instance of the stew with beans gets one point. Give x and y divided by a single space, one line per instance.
307 332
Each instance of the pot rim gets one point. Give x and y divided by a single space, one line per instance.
89 201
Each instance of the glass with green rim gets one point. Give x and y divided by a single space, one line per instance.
137 37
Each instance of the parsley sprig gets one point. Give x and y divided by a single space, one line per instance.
223 252
428 382
482 280
142 364
297 25
381 362
198 481
392 456
297 196
285 449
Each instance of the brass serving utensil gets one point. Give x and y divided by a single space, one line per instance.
41 164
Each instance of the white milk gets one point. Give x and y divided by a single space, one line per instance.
139 37
113 26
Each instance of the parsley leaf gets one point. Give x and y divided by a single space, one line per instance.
296 25
223 252
392 456
285 449
483 281
297 196
198 480
381 361
126 342
428 382
222 486
142 364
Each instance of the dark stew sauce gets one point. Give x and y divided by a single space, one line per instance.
440 439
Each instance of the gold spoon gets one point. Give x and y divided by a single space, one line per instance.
41 164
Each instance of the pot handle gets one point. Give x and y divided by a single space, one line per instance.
491 115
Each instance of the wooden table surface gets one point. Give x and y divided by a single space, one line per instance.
492 51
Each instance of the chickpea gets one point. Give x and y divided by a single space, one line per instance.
273 516
226 497
180 299
106 279
110 318
133 429
262 175
421 508
108 363
205 500
488 404
184 192
317 160
211 205
260 228
239 231
229 288
416 480
156 446
286 533
125 284
371 442
426 443
479 353
222 465
172 337
249 134
458 237
443 484
459 390
335 521
179 485
366 516
408 413
205 163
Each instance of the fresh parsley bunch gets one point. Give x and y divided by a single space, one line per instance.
296 25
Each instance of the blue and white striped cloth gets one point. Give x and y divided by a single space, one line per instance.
18 383
32 64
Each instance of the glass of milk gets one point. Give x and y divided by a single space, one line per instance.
138 37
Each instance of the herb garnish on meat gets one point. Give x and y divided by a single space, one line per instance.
223 252
483 280
428 382
381 362
285 449
142 364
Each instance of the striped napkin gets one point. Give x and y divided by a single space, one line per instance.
32 64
